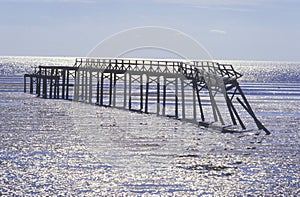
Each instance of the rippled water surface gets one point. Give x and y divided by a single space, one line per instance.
56 147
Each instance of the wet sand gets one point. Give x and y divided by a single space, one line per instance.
55 147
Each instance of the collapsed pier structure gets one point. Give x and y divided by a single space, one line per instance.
203 92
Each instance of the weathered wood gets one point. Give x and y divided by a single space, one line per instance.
194 104
202 75
158 97
182 99
125 91
164 96
63 83
51 84
68 84
114 89
101 89
31 85
129 93
110 88
98 90
147 95
176 98
141 92
248 108
90 87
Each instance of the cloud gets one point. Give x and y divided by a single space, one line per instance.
235 9
227 5
211 2
218 31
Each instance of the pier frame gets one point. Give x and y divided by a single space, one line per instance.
198 84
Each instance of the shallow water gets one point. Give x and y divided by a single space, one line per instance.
56 147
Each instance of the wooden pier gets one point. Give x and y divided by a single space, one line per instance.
51 81
202 92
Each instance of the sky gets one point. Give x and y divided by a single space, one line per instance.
267 30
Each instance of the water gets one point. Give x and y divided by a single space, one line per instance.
56 147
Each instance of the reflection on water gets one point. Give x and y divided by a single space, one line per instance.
55 147
64 148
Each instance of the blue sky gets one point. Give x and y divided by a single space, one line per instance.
228 29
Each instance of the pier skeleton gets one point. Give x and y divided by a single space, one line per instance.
202 92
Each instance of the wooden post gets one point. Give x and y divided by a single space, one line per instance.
125 91
82 84
248 108
200 103
68 84
164 96
98 89
91 87
236 114
158 97
45 87
31 85
212 100
37 92
51 83
63 83
115 90
25 84
86 86
129 105
38 82
229 106
194 102
182 99
141 92
76 83
101 89
57 84
176 98
110 89
147 94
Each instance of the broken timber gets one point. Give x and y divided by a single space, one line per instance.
201 92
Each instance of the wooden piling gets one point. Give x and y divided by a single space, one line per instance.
101 89
176 98
182 99
98 90
63 83
164 96
51 83
110 88
31 85
57 83
125 90
147 94
25 84
114 89
129 93
141 92
194 103
90 86
44 87
158 97
86 86
237 115
200 103
68 84
248 108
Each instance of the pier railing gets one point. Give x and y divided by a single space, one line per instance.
165 87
